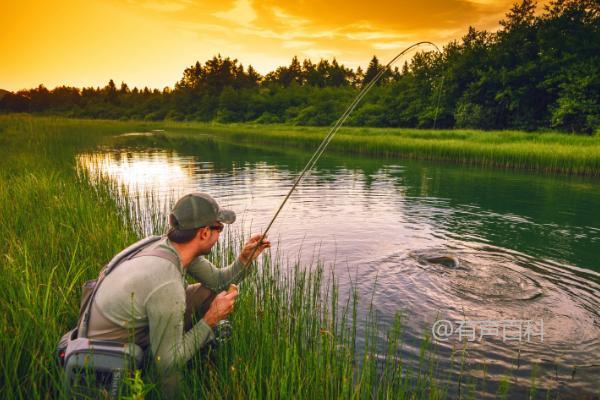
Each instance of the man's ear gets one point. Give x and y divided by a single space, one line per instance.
202 234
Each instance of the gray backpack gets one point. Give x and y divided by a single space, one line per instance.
92 365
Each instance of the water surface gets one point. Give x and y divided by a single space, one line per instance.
525 246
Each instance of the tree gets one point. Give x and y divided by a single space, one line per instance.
110 93
516 55
286 76
254 78
569 41
338 75
372 71
358 78
40 99
14 102
577 108
215 75
323 72
310 75
124 88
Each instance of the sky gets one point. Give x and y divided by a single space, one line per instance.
150 42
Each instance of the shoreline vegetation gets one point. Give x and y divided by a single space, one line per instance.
548 152
292 338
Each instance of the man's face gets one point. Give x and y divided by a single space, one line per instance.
210 236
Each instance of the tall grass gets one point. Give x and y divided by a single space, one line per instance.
56 232
545 152
292 339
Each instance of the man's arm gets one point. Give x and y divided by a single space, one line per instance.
218 279
170 346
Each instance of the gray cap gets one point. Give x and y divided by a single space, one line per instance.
199 209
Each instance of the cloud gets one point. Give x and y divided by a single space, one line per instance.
346 29
320 53
241 14
297 43
349 25
165 6
373 35
384 15
391 45
288 19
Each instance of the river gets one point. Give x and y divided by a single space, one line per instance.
509 260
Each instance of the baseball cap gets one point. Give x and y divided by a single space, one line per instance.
199 209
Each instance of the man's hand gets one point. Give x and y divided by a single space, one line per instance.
248 249
220 308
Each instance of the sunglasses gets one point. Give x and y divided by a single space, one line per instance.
218 228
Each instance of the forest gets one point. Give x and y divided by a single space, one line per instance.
539 71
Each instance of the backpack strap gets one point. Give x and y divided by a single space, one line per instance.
137 249
158 252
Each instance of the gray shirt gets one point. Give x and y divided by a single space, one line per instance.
147 294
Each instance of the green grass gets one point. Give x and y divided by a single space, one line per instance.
545 152
56 232
292 337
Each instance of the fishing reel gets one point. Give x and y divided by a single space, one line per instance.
223 331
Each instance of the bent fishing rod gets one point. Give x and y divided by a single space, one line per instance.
334 129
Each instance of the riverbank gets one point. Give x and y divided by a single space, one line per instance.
291 337
543 152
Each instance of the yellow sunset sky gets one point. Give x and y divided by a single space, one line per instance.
150 43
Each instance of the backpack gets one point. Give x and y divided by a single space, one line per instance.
92 364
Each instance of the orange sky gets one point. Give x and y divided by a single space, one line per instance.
87 42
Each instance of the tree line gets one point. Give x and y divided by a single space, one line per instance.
536 72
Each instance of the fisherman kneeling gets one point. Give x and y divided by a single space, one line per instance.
147 295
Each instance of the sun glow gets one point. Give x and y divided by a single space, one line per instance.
150 43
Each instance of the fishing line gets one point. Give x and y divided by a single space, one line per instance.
321 149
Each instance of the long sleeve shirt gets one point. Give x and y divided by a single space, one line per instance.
145 296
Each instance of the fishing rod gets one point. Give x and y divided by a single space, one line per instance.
321 149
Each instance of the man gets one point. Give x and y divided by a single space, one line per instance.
148 296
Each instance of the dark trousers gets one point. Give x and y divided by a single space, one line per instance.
197 301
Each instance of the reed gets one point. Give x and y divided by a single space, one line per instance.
292 336
57 230
546 152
